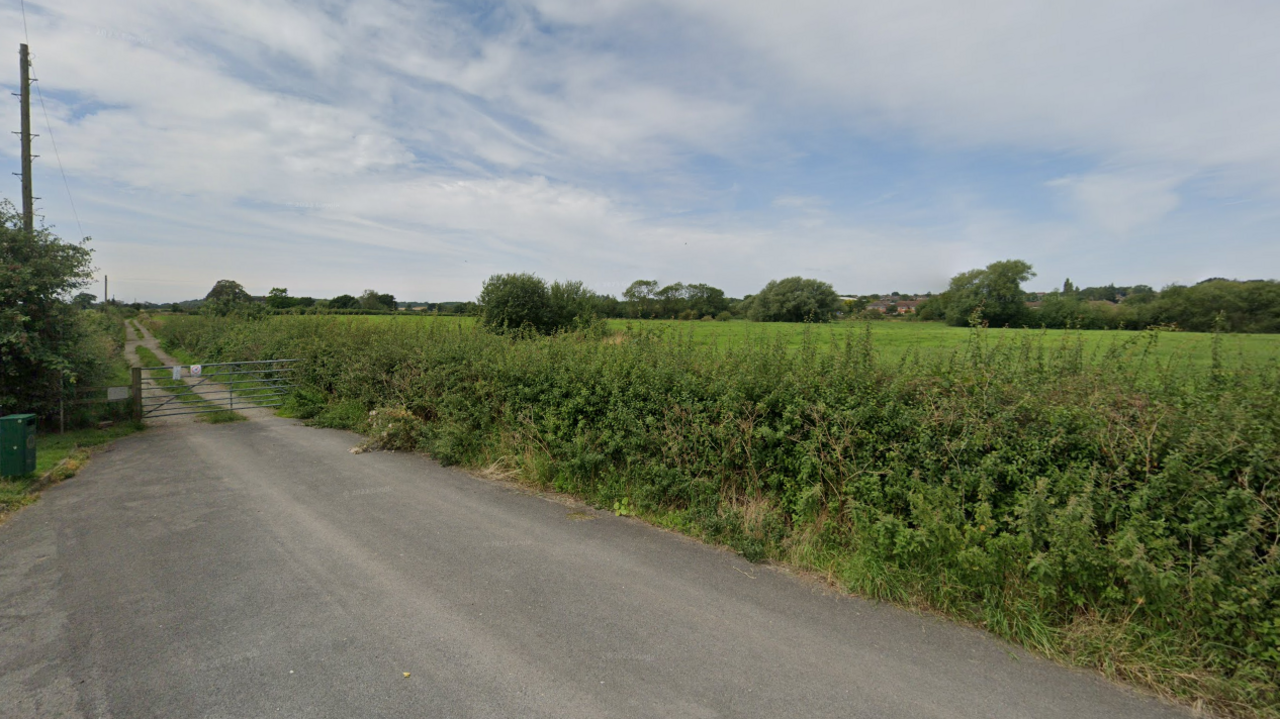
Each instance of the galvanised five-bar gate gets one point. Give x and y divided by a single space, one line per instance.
198 389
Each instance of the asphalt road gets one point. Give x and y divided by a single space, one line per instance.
259 569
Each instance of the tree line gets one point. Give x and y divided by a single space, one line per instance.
994 295
228 296
525 302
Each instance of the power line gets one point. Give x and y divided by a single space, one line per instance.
57 155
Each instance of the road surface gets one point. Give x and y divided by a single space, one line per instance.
260 569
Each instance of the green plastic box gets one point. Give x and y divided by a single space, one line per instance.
17 444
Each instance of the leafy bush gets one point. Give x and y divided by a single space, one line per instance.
523 304
794 299
47 343
1103 507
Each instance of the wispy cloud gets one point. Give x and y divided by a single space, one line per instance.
880 145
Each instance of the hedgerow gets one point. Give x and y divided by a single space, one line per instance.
1103 507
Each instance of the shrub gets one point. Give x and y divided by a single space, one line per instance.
794 299
47 344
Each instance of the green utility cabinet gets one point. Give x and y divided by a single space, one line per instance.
17 444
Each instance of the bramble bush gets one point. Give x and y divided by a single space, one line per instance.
1108 508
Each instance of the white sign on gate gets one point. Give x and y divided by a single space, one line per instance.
116 394
177 372
195 370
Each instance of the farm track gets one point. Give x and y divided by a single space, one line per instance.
261 569
209 391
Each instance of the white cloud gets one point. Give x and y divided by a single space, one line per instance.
1184 81
606 139
1121 203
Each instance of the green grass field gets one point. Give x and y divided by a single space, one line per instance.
895 340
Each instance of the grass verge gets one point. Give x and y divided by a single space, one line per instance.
58 457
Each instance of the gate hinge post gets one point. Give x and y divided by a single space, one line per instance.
137 393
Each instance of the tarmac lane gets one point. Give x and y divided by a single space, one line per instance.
261 569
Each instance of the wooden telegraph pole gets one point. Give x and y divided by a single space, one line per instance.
28 202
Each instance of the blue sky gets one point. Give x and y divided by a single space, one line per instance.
418 147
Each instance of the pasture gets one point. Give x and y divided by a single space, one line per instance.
896 340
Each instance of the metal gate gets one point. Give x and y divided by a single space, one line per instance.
199 389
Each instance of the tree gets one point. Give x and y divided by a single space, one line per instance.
372 300
225 297
671 300
570 305
640 294
794 299
344 302
706 300
278 298
995 292
44 339
84 300
515 302
227 291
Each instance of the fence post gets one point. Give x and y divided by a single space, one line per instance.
137 394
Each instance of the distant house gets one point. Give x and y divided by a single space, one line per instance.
879 306
907 306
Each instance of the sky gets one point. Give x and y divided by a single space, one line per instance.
419 147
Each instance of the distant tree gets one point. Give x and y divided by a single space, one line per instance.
1252 306
794 299
933 308
1067 287
1139 294
227 291
344 302
84 300
995 292
1109 293
305 301
609 306
278 298
225 297
640 295
515 302
706 300
372 300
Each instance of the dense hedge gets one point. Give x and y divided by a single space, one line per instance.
1102 508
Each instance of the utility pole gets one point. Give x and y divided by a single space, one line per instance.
28 202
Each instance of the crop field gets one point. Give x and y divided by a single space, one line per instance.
1109 499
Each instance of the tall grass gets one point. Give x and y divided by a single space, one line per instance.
1103 506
